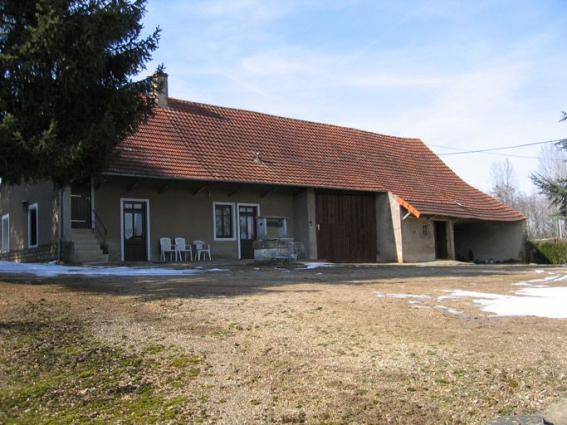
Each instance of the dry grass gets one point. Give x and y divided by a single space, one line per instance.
272 346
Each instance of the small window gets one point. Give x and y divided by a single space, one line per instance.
224 221
425 229
5 229
32 226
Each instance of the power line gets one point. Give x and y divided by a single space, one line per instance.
464 151
507 155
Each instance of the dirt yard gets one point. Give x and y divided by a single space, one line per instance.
274 345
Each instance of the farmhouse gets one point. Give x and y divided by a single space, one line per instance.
206 172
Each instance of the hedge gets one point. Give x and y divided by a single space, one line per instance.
553 251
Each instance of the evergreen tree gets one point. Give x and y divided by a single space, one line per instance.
555 189
67 91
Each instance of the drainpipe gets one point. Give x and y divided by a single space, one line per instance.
60 229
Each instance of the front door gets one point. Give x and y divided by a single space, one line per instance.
81 206
247 224
134 233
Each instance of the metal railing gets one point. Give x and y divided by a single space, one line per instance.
99 229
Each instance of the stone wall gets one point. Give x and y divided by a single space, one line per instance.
41 254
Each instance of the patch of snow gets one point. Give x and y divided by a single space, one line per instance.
536 298
539 271
311 266
547 279
417 304
540 302
401 296
52 269
449 310
529 285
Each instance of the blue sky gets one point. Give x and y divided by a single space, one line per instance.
461 74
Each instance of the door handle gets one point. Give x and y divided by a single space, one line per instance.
318 226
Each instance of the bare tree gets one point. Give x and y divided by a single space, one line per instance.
552 165
542 222
552 162
503 178
542 217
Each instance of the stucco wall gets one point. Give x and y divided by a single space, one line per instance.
178 212
385 238
417 245
396 213
45 196
498 241
304 221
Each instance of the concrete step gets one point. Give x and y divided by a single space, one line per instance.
89 251
87 258
86 246
82 235
78 231
86 243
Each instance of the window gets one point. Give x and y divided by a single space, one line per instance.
5 230
32 226
425 229
224 221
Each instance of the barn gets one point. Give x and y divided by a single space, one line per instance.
207 172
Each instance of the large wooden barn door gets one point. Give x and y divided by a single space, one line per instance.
346 227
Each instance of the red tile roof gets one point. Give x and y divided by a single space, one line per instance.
195 141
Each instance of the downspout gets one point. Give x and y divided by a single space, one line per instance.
60 227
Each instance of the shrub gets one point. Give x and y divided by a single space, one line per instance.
553 251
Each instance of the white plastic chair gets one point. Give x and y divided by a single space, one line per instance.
200 246
181 248
165 246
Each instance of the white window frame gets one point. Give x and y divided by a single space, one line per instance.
30 208
5 237
238 221
233 215
148 238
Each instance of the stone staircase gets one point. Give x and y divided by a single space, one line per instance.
86 246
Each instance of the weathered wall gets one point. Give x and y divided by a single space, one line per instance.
396 214
385 237
304 221
312 229
498 241
417 245
45 196
178 212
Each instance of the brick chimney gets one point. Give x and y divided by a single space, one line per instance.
160 89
